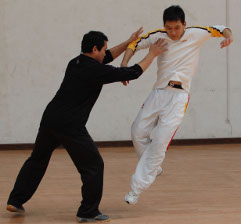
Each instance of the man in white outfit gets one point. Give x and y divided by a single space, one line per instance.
165 107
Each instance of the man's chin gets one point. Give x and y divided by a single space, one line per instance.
175 38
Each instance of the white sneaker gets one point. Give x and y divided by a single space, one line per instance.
131 198
159 172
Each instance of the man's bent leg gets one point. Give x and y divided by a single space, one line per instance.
150 162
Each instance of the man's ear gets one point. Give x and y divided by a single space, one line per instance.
94 50
185 23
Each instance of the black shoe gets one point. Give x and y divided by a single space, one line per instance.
12 208
99 218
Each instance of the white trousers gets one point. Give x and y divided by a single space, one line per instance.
153 130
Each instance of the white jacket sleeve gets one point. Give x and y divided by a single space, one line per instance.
206 32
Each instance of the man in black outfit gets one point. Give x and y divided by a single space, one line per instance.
65 117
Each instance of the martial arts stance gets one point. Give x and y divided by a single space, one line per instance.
165 107
64 121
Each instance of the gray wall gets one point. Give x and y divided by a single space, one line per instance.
39 37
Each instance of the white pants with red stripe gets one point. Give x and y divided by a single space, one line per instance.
153 130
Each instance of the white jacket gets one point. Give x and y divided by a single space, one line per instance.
180 62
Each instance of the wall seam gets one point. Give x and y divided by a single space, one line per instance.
228 74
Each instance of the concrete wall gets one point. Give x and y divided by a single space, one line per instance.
39 37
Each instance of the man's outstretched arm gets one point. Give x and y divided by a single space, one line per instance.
119 49
109 74
143 42
227 34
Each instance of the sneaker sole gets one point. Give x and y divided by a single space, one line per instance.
91 220
12 208
130 203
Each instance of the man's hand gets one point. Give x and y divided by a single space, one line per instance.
119 49
227 33
125 83
226 42
158 47
136 35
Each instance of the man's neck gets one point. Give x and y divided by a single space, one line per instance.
89 54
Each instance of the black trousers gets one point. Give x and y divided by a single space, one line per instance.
86 158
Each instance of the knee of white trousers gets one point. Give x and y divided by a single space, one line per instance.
140 143
163 134
139 134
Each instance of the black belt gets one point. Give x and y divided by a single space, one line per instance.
173 85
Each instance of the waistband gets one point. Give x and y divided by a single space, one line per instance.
171 89
173 85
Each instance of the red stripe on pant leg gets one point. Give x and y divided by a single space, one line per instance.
171 139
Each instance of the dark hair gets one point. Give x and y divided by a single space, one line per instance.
91 39
174 13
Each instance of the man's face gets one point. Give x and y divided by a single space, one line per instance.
101 54
175 29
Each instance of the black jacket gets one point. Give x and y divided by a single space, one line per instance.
69 110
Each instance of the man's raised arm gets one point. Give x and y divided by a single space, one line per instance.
119 49
127 57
